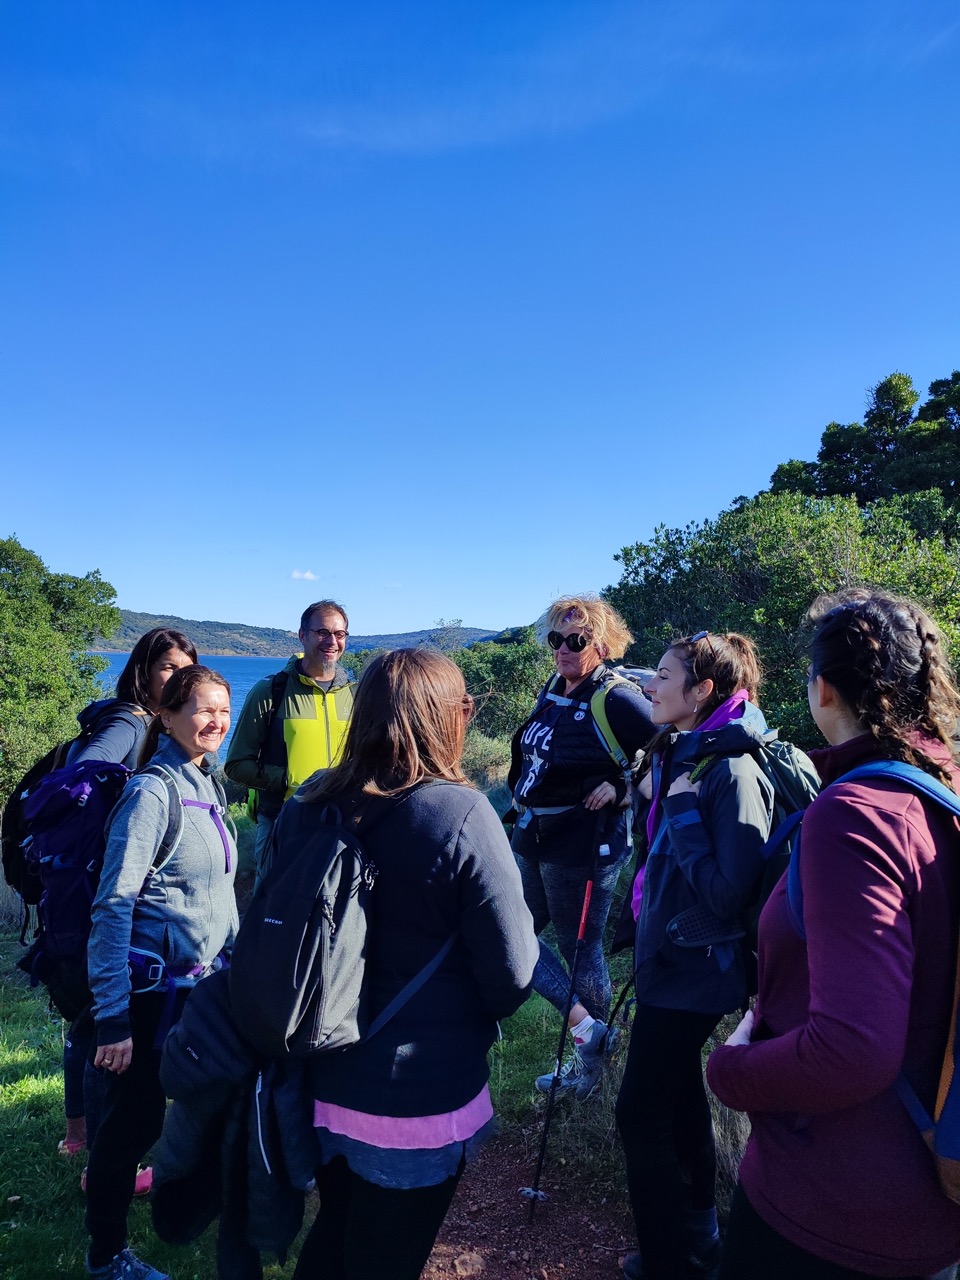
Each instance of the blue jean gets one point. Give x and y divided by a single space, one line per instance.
555 895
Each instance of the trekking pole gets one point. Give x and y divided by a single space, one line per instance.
601 851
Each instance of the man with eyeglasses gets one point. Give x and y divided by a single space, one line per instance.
294 722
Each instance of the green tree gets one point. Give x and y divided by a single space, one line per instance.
893 451
504 677
447 634
356 661
48 622
756 568
795 477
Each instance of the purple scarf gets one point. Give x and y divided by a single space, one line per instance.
732 709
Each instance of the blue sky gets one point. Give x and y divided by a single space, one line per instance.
434 306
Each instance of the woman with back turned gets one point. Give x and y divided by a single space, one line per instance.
836 1181
398 1115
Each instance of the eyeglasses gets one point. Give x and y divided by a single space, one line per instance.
576 641
323 635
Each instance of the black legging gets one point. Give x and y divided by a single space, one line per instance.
664 1121
754 1251
131 1123
366 1232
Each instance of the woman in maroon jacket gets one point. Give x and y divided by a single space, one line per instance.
836 1181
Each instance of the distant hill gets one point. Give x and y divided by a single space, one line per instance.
236 639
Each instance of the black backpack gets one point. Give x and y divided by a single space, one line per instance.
795 784
278 688
64 816
296 974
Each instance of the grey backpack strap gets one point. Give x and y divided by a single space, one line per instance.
174 831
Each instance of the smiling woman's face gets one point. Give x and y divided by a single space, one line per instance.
201 724
672 702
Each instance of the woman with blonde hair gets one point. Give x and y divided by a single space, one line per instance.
570 778
399 1114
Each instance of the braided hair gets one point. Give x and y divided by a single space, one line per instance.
885 657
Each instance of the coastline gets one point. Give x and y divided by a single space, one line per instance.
125 653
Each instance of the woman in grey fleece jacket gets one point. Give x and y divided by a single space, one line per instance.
164 911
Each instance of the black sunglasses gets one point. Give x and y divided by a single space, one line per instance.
576 641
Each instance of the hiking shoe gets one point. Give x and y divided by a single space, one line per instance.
140 1188
570 1075
126 1266
593 1055
581 1072
703 1265
631 1267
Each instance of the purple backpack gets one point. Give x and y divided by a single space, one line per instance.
65 816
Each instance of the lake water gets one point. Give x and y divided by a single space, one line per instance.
240 673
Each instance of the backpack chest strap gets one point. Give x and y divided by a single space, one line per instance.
214 810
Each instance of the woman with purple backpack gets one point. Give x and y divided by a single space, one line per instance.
113 730
164 912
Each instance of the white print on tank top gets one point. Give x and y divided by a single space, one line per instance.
538 736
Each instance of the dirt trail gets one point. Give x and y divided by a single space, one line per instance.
576 1235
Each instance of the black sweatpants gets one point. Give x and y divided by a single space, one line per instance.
366 1232
663 1117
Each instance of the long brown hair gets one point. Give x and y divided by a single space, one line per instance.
408 725
176 694
884 656
133 683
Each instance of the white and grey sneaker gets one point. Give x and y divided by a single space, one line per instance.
581 1072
